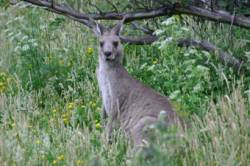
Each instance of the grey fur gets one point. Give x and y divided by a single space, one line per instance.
127 103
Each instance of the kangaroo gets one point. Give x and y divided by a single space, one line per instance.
126 102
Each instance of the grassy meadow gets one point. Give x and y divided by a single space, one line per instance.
50 105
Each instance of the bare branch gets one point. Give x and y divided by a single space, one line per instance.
146 30
148 39
166 10
218 16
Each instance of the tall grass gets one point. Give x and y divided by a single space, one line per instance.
28 136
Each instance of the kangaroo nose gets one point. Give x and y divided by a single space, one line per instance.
107 54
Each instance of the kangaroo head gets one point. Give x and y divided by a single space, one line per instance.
110 47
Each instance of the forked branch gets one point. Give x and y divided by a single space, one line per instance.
165 10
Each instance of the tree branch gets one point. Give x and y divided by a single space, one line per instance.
148 39
144 29
218 16
62 9
166 10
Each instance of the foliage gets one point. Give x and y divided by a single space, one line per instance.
4 3
50 105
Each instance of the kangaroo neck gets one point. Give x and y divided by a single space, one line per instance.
109 66
111 84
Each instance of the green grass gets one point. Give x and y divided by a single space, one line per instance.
30 135
50 105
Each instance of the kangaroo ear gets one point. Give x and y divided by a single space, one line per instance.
98 29
118 27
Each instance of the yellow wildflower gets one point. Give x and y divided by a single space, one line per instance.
13 125
79 162
70 106
90 50
64 115
61 157
54 162
155 62
54 110
98 125
38 142
93 104
66 120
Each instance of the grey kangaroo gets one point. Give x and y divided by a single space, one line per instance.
127 103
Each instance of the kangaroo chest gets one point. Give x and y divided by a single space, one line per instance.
108 86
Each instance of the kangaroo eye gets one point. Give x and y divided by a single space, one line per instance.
101 44
115 43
